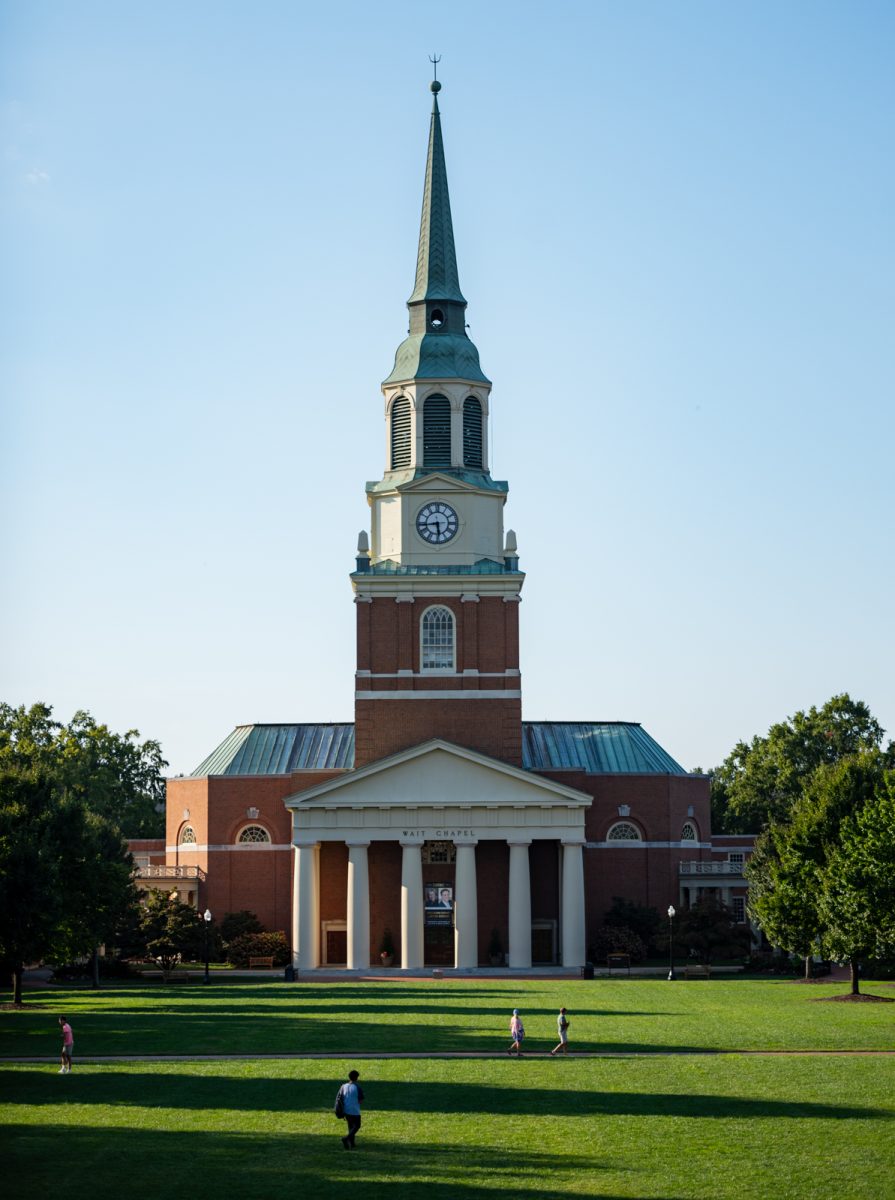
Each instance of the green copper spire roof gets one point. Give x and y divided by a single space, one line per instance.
437 346
436 262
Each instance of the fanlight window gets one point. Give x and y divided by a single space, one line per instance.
472 433
688 833
623 831
187 836
401 433
437 432
437 640
435 853
254 833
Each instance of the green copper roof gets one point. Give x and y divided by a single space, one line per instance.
436 346
436 261
437 356
598 748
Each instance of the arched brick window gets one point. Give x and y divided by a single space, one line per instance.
624 831
253 833
187 836
437 639
688 833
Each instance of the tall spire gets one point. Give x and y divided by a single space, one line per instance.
436 263
437 346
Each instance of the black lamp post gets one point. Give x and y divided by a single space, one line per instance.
206 917
671 974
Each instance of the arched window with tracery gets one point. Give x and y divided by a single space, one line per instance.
253 833
624 831
473 441
187 836
400 433
437 639
688 833
437 432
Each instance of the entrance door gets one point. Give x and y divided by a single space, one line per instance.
439 946
543 942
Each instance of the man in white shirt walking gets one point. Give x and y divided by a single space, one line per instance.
352 1095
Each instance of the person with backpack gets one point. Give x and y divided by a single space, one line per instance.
348 1101
562 1026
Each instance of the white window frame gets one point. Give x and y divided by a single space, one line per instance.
736 857
623 825
253 841
448 670
182 839
693 826
738 904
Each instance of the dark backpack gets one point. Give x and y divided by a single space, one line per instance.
339 1109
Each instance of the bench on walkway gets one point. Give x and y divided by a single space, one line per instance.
261 961
621 961
697 971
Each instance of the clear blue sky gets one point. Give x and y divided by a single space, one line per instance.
674 229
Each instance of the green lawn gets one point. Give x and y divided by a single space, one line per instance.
264 1017
670 1127
673 1126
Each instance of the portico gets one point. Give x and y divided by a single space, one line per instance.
445 794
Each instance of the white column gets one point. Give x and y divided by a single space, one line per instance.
572 905
466 907
411 903
358 907
305 926
520 905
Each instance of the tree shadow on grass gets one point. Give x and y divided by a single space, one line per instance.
508 1096
98 1162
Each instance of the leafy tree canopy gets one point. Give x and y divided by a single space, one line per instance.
761 781
818 881
116 775
66 877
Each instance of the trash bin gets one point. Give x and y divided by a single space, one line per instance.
290 974
587 971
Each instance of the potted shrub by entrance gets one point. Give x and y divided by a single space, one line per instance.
386 949
495 950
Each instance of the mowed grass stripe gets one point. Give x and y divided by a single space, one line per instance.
672 1127
608 1016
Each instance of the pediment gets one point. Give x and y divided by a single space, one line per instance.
437 774
438 482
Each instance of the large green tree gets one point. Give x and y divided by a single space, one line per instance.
760 781
116 775
66 877
796 873
857 894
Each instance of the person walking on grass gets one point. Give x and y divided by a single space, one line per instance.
351 1095
517 1033
562 1026
68 1045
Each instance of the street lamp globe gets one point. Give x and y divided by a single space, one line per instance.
207 914
670 912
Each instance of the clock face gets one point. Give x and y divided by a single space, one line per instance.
437 522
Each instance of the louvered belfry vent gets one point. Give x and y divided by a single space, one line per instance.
400 433
437 432
472 433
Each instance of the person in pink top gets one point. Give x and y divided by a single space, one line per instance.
68 1045
517 1033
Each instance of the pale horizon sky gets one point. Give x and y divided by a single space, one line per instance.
674 230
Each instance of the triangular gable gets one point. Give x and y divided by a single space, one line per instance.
436 774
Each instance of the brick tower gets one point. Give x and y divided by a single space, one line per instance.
436 583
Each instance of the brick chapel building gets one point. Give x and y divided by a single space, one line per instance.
439 814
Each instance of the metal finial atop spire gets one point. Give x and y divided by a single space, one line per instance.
435 86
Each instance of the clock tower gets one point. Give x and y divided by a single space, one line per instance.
437 582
